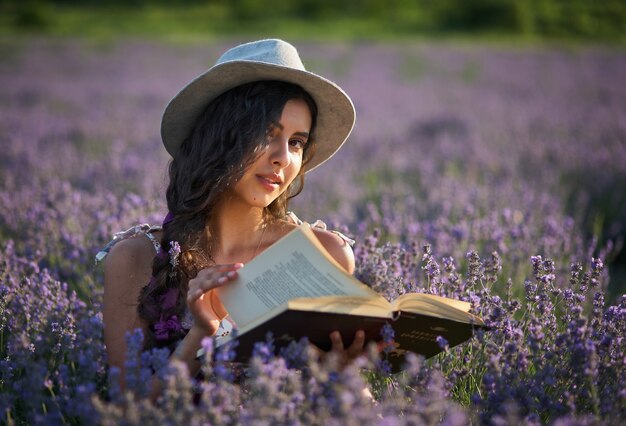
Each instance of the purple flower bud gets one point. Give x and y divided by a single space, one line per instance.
164 328
387 333
174 252
442 342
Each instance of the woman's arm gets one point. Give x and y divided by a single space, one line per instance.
127 268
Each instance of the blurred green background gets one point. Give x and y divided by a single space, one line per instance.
531 20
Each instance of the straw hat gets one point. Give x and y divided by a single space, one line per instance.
261 60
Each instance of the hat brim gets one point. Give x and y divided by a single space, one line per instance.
335 117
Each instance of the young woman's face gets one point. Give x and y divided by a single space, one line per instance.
280 160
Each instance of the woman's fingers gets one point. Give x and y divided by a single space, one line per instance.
336 341
356 348
203 302
344 356
211 278
216 272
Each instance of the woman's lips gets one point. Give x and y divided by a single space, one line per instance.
269 183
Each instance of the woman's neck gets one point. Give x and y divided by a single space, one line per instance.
235 232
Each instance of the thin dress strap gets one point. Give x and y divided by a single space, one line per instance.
291 217
156 243
142 229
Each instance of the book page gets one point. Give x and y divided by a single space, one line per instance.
349 305
437 306
296 266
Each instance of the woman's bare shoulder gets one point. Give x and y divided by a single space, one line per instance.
136 249
338 248
129 262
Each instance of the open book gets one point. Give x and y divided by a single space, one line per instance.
296 289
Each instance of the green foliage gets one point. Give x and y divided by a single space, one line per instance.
31 15
580 19
474 15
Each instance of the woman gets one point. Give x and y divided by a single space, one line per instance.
242 135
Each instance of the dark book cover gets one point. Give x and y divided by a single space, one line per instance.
413 332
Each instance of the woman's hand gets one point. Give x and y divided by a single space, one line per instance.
203 302
344 356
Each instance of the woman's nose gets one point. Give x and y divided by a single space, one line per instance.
279 152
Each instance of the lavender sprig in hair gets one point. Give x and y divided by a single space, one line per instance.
174 253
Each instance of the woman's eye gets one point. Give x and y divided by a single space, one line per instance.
297 143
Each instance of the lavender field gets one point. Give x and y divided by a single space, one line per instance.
491 174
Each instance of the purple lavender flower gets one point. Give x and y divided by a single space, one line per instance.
442 343
296 354
264 350
174 253
485 189
165 327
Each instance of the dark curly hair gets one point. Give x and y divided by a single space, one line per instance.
225 141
